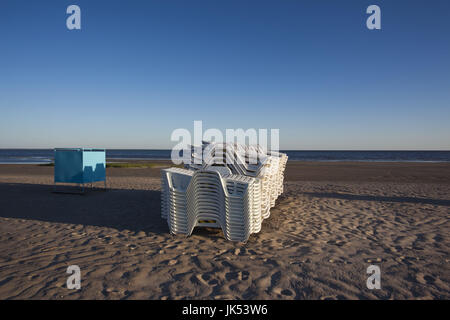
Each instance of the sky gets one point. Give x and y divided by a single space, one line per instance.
138 70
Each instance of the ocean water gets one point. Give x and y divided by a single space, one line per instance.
33 156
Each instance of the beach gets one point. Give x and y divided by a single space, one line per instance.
333 220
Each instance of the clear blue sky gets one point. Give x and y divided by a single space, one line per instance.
137 70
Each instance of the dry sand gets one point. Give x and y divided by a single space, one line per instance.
332 222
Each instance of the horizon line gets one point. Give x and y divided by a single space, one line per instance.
315 150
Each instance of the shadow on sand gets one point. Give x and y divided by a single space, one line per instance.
343 196
134 210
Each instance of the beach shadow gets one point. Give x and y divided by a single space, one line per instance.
134 210
347 196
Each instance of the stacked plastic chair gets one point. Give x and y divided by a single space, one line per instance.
235 195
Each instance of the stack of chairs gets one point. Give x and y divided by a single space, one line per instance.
231 193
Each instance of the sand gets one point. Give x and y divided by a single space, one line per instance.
332 222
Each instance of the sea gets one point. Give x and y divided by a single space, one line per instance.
42 156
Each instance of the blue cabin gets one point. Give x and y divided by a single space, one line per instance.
78 165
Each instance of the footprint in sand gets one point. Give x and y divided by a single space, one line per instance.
338 243
332 297
115 292
374 260
283 292
206 279
172 262
424 279
406 260
271 261
32 277
240 275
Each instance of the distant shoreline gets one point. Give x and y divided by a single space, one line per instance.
42 156
294 160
